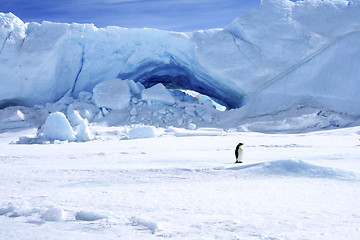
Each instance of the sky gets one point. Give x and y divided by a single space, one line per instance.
174 15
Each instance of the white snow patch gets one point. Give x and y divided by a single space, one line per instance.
17 209
89 216
144 224
53 214
297 168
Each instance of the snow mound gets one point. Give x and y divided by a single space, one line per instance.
32 214
144 224
114 94
57 127
46 213
43 214
17 209
53 214
89 216
141 132
297 169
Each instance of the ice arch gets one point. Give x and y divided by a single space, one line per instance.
42 62
176 76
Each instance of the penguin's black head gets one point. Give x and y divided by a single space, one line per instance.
240 144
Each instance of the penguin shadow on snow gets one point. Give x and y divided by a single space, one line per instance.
245 166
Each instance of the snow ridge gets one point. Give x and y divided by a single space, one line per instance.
297 169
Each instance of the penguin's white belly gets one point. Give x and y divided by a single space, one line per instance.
240 155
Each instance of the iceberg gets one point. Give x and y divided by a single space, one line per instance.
277 57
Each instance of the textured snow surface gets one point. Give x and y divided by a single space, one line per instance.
183 184
278 56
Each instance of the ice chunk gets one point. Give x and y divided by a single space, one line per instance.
133 119
141 132
205 114
206 100
135 89
191 126
74 116
84 96
183 96
57 127
190 111
140 86
14 117
114 94
133 112
83 132
86 110
156 95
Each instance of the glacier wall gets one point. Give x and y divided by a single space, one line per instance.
274 57
39 63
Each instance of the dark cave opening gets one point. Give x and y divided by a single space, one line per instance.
173 76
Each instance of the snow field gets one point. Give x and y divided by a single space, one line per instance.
123 155
183 185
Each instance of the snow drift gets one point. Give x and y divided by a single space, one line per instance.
279 56
297 168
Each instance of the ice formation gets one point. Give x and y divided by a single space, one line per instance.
280 56
157 94
112 94
57 127
141 132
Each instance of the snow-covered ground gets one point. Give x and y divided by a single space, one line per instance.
118 133
182 184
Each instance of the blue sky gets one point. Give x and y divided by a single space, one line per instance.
176 15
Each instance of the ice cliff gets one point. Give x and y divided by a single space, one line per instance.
279 55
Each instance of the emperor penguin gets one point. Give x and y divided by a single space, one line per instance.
239 153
